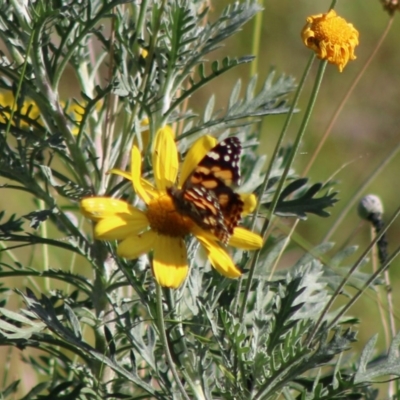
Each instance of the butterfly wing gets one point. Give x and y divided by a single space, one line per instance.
206 196
220 163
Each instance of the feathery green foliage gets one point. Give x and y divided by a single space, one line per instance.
99 322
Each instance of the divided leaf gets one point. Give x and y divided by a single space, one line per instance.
304 203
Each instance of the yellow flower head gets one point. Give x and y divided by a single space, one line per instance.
161 228
7 100
331 37
75 111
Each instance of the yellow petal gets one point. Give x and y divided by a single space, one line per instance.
250 203
170 261
245 239
119 172
136 170
219 258
196 153
147 186
165 158
134 246
96 208
203 234
150 189
120 227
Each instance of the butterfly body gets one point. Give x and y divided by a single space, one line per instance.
207 197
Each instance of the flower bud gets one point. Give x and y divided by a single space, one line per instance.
391 5
370 204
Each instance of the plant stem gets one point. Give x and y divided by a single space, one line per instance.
347 95
177 333
255 44
346 278
164 341
20 81
109 119
287 241
285 173
383 268
124 159
357 194
45 247
298 140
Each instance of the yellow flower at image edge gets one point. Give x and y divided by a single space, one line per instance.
74 110
7 100
331 37
160 227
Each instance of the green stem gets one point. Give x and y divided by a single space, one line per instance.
49 97
296 145
367 284
255 45
164 341
123 156
284 129
255 50
287 241
177 334
20 81
333 4
283 134
347 95
380 296
109 119
124 159
141 19
45 247
298 140
346 278
90 24
360 190
72 262
7 365
268 173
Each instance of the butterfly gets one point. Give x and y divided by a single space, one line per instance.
207 196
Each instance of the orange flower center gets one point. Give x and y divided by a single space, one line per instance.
164 219
333 29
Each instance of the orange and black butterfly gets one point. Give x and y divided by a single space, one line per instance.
207 196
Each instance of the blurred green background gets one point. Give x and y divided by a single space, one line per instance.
367 130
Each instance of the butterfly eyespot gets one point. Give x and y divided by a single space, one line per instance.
206 195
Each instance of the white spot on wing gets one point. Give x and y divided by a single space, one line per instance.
213 155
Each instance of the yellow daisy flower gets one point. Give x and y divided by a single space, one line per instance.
331 37
7 99
74 110
160 227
